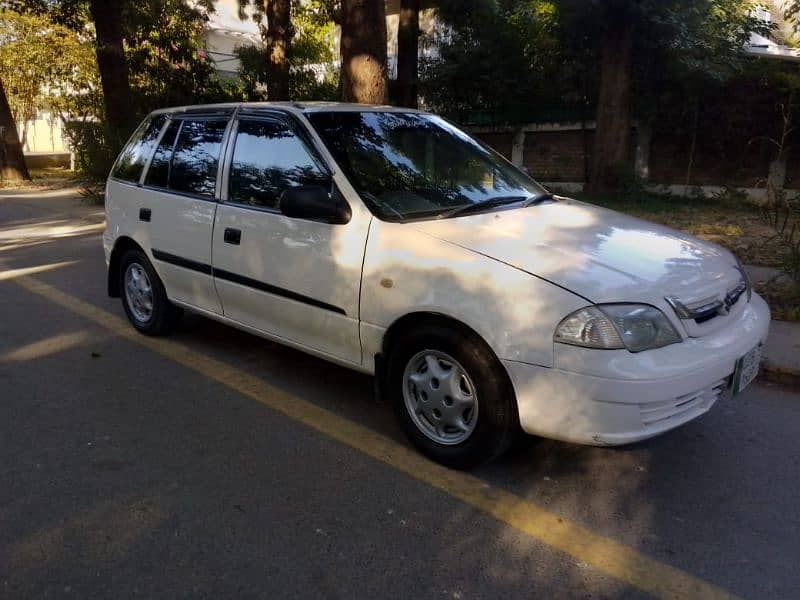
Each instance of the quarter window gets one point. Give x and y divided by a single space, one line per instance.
268 158
131 162
158 173
196 156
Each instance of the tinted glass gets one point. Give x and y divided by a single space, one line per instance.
196 156
415 166
268 158
158 173
131 162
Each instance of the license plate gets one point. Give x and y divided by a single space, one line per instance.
746 369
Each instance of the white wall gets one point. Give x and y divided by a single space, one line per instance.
45 134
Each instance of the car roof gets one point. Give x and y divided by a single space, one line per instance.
295 107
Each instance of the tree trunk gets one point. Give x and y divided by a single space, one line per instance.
363 47
12 160
113 68
612 136
408 52
278 41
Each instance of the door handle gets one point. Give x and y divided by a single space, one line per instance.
145 214
232 236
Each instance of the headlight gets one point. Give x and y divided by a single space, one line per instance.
636 327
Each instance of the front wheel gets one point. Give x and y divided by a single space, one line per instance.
452 396
143 296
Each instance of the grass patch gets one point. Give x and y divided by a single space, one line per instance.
49 178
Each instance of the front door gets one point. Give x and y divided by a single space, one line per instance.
293 278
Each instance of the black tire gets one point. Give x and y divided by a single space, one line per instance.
497 423
165 315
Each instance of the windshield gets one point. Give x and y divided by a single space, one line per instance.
409 165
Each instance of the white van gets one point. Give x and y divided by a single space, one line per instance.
391 242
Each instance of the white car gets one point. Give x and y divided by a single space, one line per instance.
391 242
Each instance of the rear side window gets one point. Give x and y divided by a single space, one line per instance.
196 156
268 158
131 162
158 173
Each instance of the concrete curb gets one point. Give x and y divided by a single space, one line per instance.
788 378
781 362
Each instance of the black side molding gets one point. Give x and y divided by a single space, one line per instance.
179 261
192 265
274 290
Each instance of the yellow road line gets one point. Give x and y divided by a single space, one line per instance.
604 554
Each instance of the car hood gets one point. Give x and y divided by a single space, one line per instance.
599 254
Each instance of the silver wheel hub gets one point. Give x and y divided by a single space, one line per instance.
440 397
139 292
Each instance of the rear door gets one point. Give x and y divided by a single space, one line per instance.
294 278
181 203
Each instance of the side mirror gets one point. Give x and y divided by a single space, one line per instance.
315 203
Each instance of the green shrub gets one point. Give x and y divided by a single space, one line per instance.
94 152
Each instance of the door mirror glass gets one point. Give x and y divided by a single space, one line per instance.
314 203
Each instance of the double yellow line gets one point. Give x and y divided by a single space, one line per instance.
602 553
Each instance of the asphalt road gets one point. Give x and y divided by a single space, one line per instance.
219 465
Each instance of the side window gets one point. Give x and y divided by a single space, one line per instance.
158 173
131 162
196 156
268 158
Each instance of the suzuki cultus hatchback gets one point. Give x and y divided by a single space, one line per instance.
391 242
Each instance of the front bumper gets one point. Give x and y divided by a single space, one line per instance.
612 397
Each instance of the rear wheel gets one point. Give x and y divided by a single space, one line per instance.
143 296
451 396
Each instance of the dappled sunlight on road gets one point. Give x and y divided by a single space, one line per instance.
19 237
8 274
46 347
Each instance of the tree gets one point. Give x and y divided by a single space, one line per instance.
165 54
500 62
637 43
12 160
408 52
613 131
45 65
363 48
107 17
313 72
277 36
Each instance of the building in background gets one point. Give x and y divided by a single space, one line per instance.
226 32
782 42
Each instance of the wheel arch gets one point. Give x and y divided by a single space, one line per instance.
121 246
421 319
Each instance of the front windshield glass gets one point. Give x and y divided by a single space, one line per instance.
409 165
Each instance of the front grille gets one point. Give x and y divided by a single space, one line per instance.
656 412
700 316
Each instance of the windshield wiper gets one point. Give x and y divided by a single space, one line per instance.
539 199
383 205
481 206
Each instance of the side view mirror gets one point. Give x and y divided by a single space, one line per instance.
315 203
